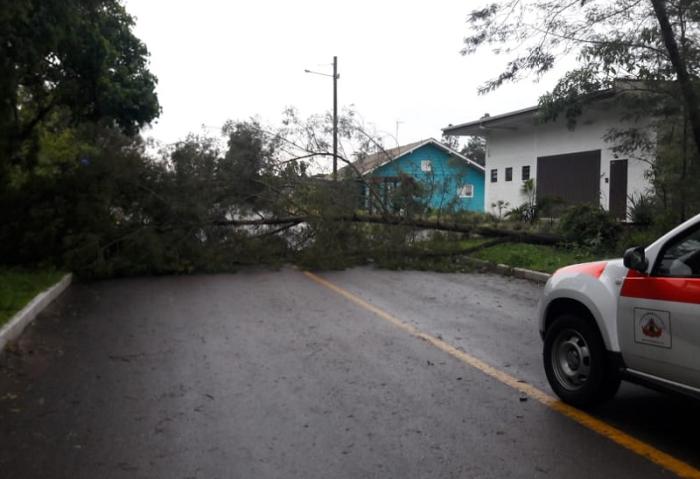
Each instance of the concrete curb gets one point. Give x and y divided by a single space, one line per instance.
506 270
531 275
14 327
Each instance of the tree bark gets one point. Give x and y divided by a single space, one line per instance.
684 80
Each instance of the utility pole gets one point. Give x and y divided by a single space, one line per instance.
335 113
335 118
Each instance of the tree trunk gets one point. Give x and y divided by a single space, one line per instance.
684 169
515 236
689 97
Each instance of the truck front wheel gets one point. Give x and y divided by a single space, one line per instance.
576 363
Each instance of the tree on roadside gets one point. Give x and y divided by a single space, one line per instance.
146 215
78 60
75 90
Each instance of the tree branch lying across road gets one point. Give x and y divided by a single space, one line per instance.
490 232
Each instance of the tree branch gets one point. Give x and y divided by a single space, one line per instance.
516 236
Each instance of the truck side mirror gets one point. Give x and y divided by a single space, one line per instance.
636 259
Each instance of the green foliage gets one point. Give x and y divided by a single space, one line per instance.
329 244
676 170
117 211
475 149
247 159
333 246
635 236
18 287
473 218
611 39
589 225
79 58
570 95
410 197
73 81
528 211
524 213
450 141
448 264
502 208
536 257
641 210
533 209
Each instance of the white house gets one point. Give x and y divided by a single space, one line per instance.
575 165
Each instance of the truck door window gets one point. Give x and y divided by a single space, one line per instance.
681 257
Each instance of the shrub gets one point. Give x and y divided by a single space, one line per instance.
642 209
472 218
636 237
589 225
525 213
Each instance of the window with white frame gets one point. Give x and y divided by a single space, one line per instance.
466 191
426 166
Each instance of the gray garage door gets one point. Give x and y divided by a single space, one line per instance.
573 177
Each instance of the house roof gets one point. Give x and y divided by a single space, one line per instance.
477 127
508 120
371 162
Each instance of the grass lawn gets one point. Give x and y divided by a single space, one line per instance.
519 255
18 287
536 257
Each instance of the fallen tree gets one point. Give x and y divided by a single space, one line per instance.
393 220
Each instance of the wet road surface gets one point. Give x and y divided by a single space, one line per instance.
267 374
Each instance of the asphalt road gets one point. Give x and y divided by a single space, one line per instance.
271 375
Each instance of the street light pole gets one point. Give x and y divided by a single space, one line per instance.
335 118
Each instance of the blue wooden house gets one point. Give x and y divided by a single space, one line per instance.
448 180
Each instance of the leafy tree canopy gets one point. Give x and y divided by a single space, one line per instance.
612 40
76 56
475 149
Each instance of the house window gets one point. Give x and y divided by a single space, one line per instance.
509 174
426 166
466 191
526 173
494 176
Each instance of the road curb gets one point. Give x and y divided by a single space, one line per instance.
531 275
14 327
506 270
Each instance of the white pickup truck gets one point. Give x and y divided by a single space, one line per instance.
636 318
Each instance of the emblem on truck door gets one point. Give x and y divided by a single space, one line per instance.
652 327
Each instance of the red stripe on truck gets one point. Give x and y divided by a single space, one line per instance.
591 269
678 290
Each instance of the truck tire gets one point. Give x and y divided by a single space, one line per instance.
576 362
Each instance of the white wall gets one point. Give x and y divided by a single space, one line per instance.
522 146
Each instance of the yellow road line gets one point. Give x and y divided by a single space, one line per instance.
631 443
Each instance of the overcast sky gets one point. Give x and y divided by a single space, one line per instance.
398 61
